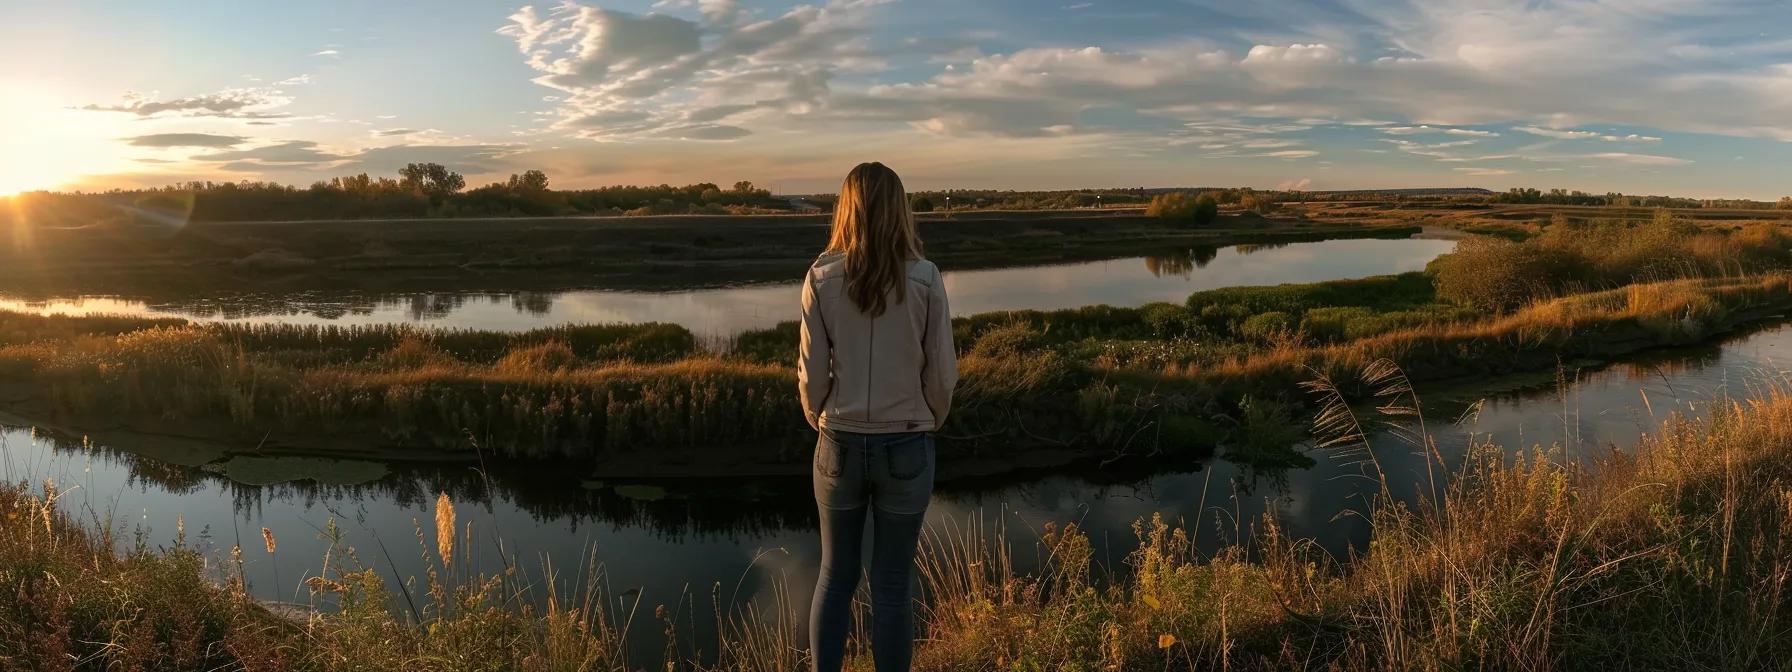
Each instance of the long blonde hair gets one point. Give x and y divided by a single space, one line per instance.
874 228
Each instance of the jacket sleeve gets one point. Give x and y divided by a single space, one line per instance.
939 373
814 369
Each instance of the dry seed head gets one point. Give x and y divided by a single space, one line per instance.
445 529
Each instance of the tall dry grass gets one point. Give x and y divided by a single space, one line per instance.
1675 555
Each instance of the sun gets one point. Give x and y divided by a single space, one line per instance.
46 144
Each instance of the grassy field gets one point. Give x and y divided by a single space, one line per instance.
165 261
1676 555
1516 221
1039 389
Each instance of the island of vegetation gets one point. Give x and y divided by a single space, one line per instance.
1220 371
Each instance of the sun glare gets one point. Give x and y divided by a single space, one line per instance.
46 145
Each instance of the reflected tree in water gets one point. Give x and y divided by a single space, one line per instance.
553 493
1180 262
1253 248
533 303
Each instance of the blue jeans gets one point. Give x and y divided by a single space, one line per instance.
889 476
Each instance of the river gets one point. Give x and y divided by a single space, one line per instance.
742 538
717 313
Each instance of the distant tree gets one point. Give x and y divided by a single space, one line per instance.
531 181
1785 203
744 187
921 204
433 179
1184 208
1259 203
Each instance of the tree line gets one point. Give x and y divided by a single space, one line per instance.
1526 195
429 190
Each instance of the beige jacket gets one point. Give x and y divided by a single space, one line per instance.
892 373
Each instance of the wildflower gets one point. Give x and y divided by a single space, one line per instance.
1166 640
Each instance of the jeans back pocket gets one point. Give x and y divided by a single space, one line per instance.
829 456
908 457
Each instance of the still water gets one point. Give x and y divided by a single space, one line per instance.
722 312
737 540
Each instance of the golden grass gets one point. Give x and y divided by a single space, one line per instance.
1662 313
1676 555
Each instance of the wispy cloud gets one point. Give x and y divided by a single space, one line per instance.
1422 129
163 140
230 103
1640 159
1569 134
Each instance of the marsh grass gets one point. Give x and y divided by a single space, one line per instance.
1675 555
1099 381
1028 379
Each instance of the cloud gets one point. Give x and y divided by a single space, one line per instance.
706 132
1289 154
329 53
468 159
1640 159
631 75
184 140
397 131
1484 172
292 153
299 160
1435 66
1269 143
1557 133
1423 129
1295 185
229 103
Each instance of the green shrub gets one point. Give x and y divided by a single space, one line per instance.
774 345
1498 275
1225 310
1266 327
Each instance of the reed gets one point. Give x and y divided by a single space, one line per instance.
1098 382
1675 554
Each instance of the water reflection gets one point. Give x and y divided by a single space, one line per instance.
672 541
723 312
1182 263
1591 410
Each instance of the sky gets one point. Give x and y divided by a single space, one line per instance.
1676 97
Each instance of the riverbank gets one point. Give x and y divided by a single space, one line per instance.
1099 385
1677 549
1514 220
164 263
646 402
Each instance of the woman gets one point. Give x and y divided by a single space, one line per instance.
876 372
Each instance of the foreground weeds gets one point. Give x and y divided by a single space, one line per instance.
1674 556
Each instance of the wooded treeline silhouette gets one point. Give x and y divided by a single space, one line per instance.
422 190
